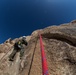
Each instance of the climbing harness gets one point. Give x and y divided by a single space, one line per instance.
44 62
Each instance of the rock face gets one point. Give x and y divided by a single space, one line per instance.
60 47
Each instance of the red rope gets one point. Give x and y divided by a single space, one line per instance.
44 62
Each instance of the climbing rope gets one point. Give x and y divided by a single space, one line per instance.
44 62
32 57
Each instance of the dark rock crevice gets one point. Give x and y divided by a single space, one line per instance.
73 62
62 37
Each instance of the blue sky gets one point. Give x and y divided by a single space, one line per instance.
22 17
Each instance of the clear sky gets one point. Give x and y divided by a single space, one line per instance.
22 17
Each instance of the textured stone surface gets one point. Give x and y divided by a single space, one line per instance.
60 47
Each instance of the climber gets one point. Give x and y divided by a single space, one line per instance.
18 47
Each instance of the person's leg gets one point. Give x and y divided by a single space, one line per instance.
12 55
21 53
